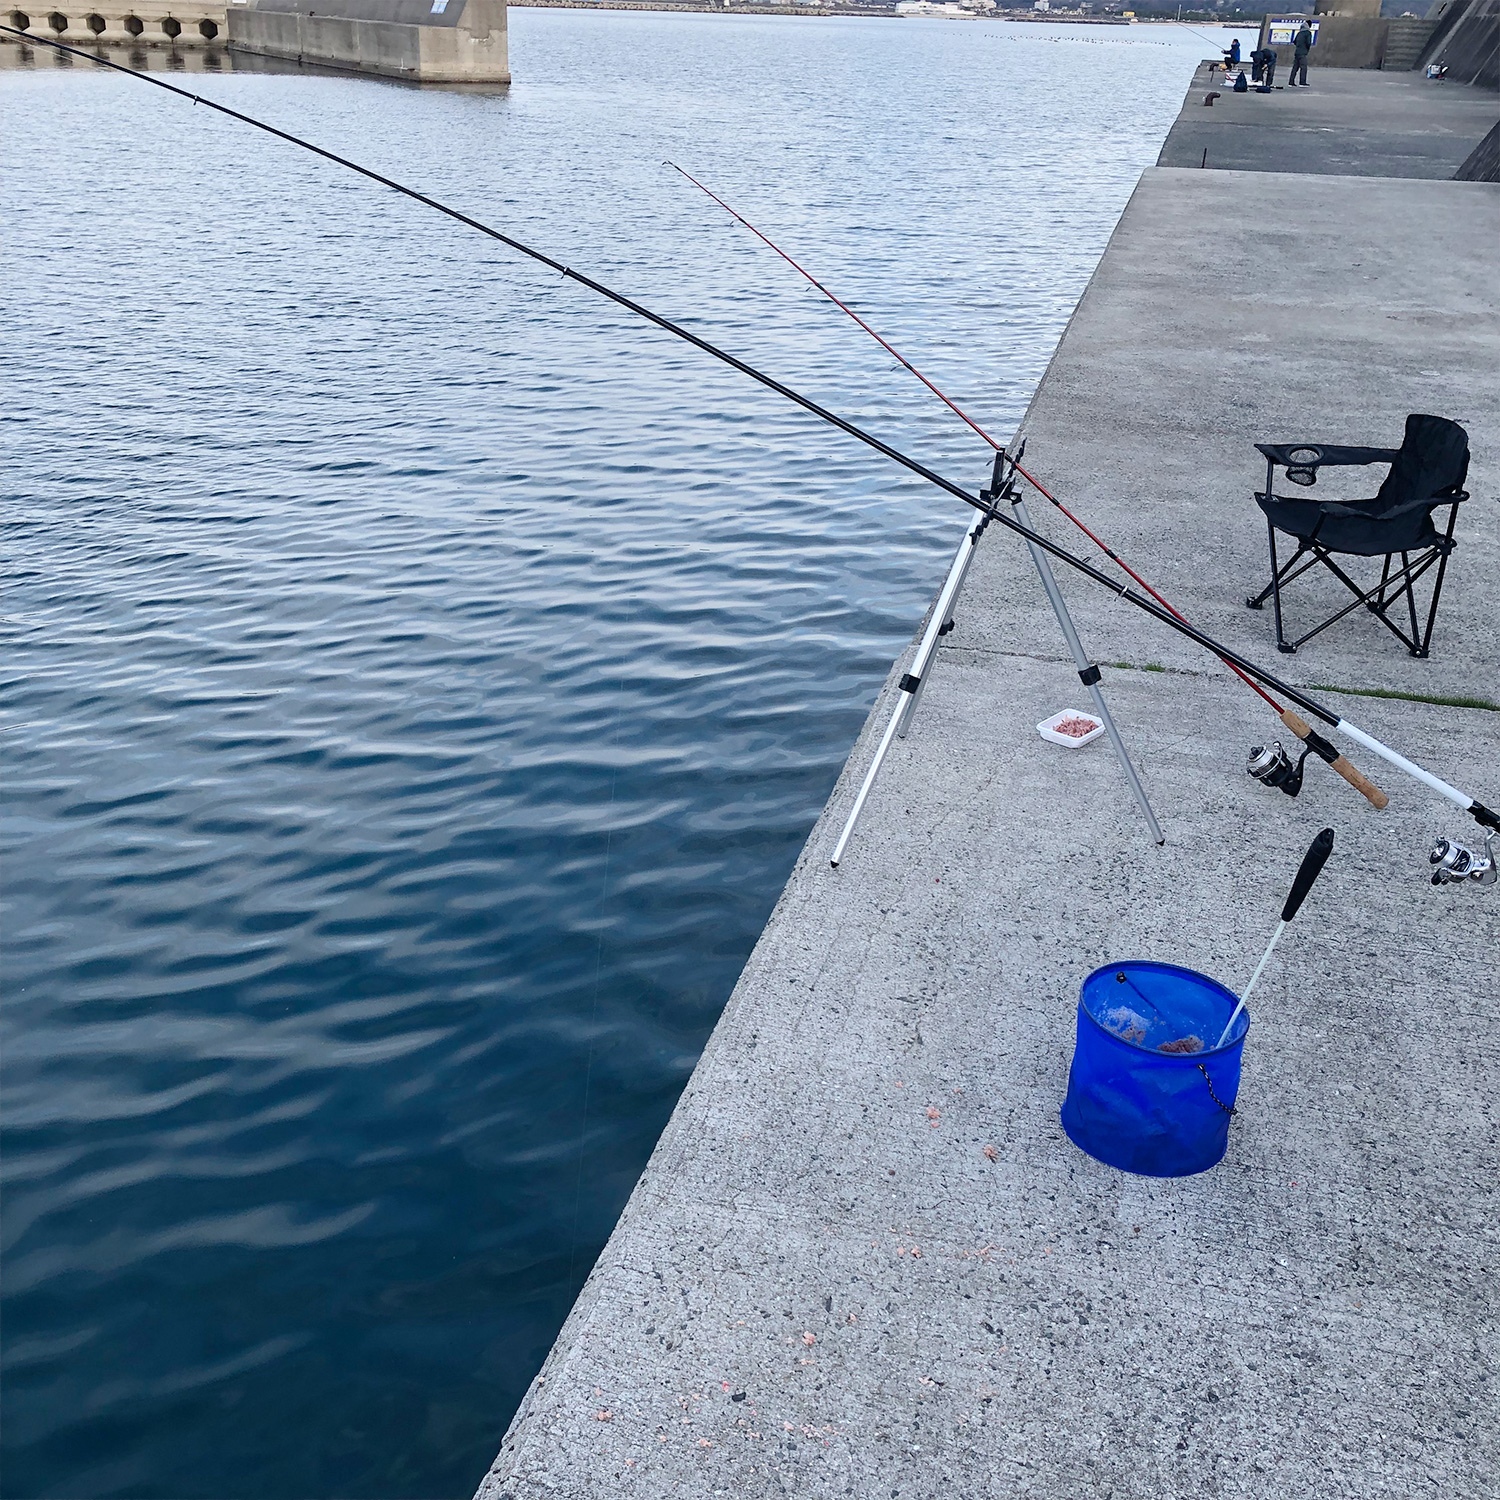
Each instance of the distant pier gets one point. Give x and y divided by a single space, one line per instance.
113 24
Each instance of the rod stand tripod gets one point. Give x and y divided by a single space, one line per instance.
909 691
1003 487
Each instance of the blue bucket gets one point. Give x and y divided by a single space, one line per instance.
1133 1106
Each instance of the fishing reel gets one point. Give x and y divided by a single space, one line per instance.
1273 766
1455 862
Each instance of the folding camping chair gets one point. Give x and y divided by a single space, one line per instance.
1427 472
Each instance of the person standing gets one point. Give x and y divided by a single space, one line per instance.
1301 46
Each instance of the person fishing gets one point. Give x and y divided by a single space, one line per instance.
1301 46
1232 57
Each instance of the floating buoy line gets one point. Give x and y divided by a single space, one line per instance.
987 502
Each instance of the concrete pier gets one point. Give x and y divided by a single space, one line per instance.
864 1260
422 41
1348 124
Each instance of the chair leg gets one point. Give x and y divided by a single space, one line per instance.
1287 574
1279 575
1437 587
1281 644
1411 599
1378 599
1385 575
1372 598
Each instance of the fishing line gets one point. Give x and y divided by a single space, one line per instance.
1206 37
1225 654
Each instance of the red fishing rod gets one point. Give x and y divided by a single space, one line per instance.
1287 779
1448 863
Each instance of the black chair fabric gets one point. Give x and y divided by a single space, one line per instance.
1426 473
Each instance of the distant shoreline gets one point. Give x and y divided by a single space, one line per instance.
742 8
745 8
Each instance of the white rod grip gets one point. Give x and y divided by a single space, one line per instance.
1411 768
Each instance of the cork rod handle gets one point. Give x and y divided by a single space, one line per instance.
1351 773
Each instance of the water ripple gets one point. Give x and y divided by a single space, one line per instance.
420 676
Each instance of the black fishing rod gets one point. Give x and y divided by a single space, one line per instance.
1481 813
1272 767
1455 862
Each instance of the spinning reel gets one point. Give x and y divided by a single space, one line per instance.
1273 766
1456 863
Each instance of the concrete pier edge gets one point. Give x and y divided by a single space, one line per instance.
863 1259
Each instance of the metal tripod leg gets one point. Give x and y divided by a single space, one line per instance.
1087 671
942 618
910 689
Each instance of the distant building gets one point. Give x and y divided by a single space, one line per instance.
943 10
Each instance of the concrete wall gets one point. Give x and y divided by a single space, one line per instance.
464 42
1467 38
117 23
1483 162
1343 42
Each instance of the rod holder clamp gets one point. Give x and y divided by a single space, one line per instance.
910 684
1089 676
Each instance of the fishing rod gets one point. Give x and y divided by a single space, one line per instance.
1481 814
1273 767
912 682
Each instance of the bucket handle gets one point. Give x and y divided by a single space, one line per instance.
1227 1108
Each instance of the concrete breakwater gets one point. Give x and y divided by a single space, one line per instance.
115 24
426 41
863 1259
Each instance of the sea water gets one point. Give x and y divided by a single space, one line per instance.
421 675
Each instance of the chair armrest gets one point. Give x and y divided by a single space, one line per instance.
1457 497
1320 455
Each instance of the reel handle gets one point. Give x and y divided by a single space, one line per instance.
1351 773
1307 872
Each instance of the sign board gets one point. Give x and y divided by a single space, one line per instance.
1281 30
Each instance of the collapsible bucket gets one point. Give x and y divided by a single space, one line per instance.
1132 1105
